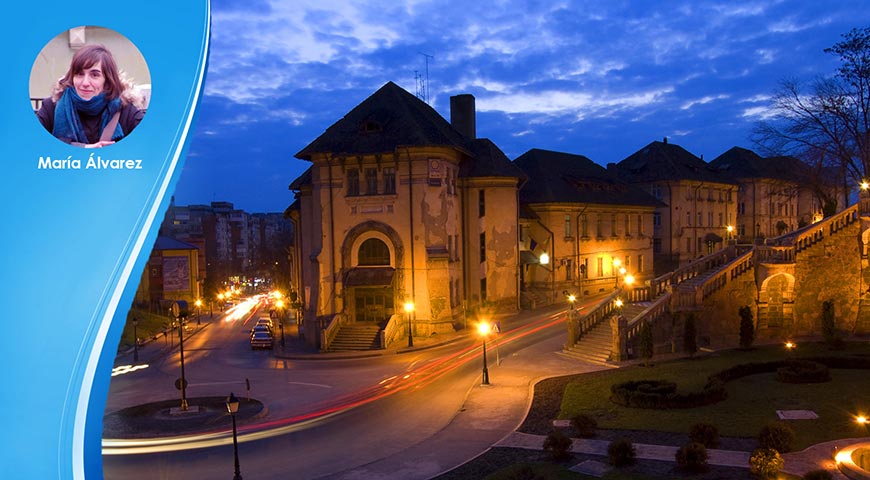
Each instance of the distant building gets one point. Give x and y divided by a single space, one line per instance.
591 225
699 203
171 274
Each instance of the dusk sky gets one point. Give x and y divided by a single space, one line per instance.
596 78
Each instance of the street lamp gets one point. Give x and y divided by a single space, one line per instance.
198 304
483 328
233 408
409 309
280 306
135 340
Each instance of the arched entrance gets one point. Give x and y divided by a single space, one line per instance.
370 255
776 302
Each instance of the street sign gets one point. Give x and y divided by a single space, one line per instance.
178 383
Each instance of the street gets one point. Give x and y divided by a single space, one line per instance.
390 403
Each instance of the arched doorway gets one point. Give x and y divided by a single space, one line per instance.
776 302
371 282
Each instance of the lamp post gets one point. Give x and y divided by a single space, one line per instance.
409 309
483 328
544 259
135 340
181 353
198 304
233 408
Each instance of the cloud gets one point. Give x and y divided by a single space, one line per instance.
565 102
704 100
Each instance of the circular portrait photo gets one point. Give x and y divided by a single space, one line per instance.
90 87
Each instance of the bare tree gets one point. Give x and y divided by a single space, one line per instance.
827 126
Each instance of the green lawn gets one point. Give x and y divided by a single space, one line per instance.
752 401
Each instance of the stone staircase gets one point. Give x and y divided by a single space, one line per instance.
356 337
595 346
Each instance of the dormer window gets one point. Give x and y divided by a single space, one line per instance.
371 126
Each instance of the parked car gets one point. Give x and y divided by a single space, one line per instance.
261 340
265 321
261 328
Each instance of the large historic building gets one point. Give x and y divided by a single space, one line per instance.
400 207
410 225
698 203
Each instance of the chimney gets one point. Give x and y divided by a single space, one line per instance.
665 140
462 115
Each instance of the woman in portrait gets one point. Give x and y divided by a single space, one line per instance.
92 105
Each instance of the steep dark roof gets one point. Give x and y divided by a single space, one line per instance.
557 177
666 161
389 118
742 163
488 161
167 243
301 180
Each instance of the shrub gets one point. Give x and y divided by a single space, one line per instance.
818 475
692 457
690 336
747 327
803 371
704 433
558 445
521 471
765 462
584 425
646 345
621 453
776 436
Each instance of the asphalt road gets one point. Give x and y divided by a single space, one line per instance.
432 388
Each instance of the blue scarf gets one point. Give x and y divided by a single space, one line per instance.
67 124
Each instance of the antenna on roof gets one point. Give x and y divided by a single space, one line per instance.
422 84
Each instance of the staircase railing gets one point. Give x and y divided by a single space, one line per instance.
392 332
651 314
805 237
327 335
580 324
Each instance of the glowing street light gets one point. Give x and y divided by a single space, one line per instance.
483 329
409 309
544 259
865 185
628 280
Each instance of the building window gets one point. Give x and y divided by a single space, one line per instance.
567 225
352 182
657 219
657 245
483 289
710 219
720 220
657 191
741 230
598 227
613 229
569 269
600 267
373 252
389 180
584 227
627 221
700 219
640 225
481 203
371 181
640 264
482 247
688 219
688 245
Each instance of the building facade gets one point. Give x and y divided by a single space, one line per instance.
698 203
400 207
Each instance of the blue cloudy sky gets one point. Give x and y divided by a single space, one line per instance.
596 78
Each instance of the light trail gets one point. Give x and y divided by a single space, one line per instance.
417 378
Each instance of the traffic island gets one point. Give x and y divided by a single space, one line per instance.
160 419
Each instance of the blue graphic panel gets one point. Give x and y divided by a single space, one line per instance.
80 222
